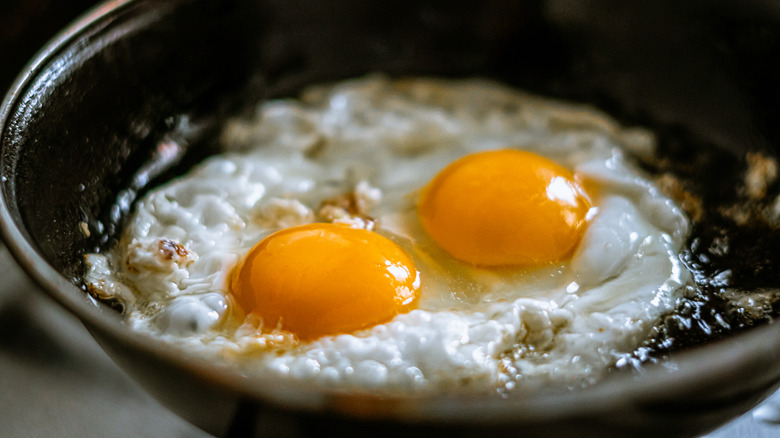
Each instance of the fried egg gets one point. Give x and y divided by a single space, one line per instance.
407 235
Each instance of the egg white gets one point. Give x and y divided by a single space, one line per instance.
383 140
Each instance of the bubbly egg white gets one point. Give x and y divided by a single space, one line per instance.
382 140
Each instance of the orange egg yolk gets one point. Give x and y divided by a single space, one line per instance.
504 207
325 279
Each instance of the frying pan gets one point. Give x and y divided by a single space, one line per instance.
86 123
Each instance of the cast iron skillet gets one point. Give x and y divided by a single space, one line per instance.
91 123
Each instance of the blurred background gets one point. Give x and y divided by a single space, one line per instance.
55 379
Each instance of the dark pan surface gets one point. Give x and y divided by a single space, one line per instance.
83 128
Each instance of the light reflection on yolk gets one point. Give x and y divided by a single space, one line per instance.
325 279
504 207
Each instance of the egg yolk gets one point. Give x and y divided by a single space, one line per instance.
325 279
504 207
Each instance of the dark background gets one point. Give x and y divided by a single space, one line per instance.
26 25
